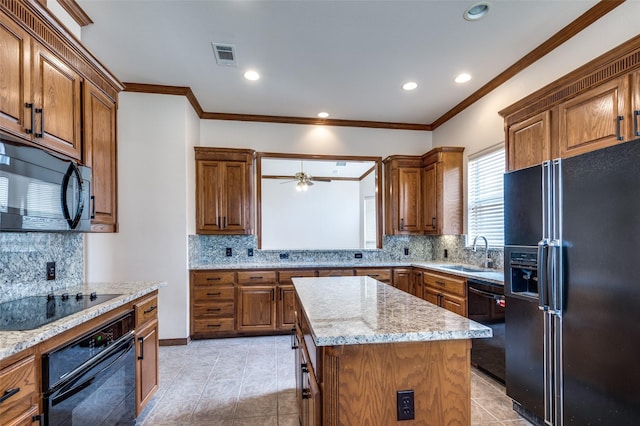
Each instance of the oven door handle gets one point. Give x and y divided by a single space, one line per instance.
485 293
70 387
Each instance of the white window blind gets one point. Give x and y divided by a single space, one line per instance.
486 195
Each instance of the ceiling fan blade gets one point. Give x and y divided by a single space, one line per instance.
309 183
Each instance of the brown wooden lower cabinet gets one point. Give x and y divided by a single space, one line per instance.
402 279
256 308
337 385
19 372
147 378
447 291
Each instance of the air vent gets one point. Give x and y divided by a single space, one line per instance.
225 54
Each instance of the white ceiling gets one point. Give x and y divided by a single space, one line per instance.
316 168
349 58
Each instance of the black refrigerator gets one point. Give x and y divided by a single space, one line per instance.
572 284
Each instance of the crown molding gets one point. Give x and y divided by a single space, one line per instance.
77 13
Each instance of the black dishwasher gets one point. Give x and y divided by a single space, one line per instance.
91 381
486 305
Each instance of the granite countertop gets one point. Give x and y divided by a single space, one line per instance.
12 342
361 310
495 276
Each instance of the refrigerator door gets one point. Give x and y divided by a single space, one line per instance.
600 290
523 213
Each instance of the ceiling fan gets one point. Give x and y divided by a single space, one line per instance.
305 180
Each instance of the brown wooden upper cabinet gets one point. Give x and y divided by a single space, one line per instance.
55 95
593 107
100 154
442 191
224 194
423 195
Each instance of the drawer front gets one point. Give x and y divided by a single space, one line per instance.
146 310
214 293
257 277
214 325
19 380
335 272
214 277
376 274
214 310
285 277
445 283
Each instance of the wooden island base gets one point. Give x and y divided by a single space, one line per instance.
361 381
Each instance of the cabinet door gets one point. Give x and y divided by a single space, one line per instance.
595 119
314 407
99 146
457 305
430 198
208 205
236 198
635 104
57 102
147 380
416 284
28 418
256 308
431 296
529 142
409 206
402 279
286 307
15 53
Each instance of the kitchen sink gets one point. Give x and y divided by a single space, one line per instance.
462 268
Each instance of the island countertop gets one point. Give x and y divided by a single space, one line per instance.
12 342
361 310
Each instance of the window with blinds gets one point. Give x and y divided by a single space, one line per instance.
486 198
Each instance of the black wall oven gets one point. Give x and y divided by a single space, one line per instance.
486 305
91 381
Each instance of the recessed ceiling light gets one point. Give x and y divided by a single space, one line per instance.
410 85
252 75
463 78
323 114
476 11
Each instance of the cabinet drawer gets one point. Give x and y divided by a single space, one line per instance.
335 272
214 277
146 310
377 274
257 277
285 277
18 379
445 283
214 325
219 309
206 293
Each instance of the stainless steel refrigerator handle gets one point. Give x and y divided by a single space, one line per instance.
548 370
543 298
547 186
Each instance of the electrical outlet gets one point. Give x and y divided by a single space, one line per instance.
405 405
250 252
284 256
51 271
358 256
446 253
406 251
229 251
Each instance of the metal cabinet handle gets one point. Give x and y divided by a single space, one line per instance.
304 367
218 222
214 325
33 118
151 309
39 418
141 340
441 283
214 309
93 207
293 339
41 112
255 278
225 223
306 393
618 127
213 279
214 294
636 131
273 294
402 224
9 393
433 222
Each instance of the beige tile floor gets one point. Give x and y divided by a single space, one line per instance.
251 381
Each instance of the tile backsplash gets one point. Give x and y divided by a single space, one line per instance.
212 250
23 259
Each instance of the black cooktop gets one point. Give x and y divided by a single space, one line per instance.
32 312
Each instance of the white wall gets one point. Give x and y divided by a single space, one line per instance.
66 19
480 126
156 135
305 139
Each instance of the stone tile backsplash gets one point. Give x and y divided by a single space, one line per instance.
211 250
23 259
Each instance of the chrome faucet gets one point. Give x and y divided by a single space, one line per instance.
487 263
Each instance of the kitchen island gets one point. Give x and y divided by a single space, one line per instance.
360 342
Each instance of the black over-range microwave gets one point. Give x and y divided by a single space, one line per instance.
40 192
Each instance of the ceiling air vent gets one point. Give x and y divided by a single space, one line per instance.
225 54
